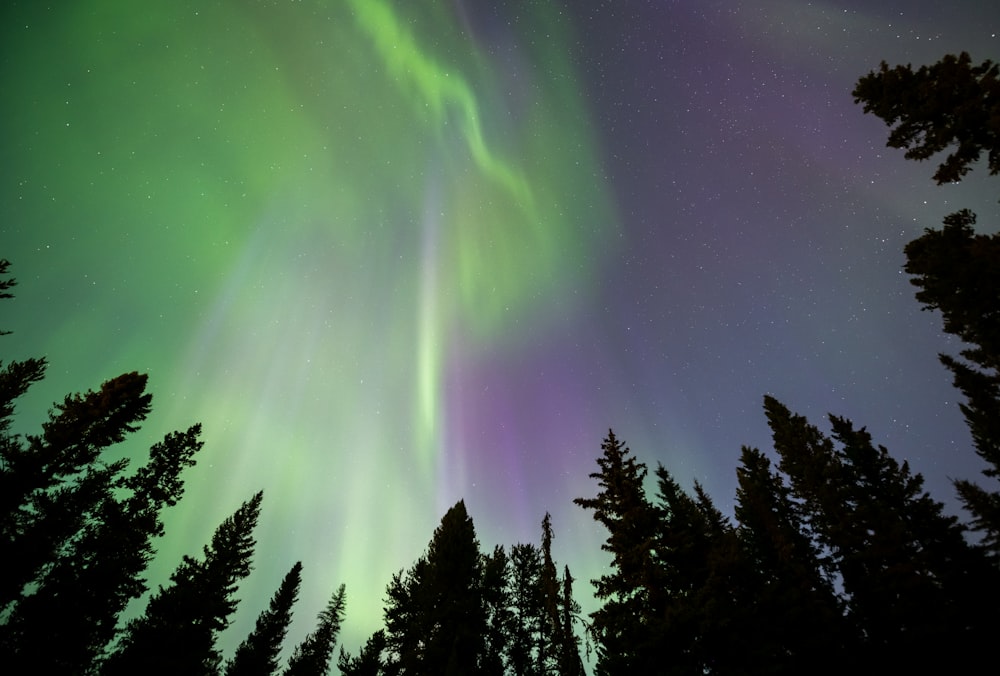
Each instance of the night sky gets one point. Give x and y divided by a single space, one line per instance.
392 254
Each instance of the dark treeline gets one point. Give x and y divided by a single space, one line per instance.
835 560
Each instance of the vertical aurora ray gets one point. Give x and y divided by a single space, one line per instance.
329 225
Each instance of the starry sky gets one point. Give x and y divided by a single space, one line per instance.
393 254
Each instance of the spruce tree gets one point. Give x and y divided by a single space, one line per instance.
369 661
950 105
527 615
76 604
312 656
435 619
178 631
52 484
257 655
624 627
797 620
910 580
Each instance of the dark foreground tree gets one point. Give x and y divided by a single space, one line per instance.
178 631
257 655
958 273
911 582
368 662
312 656
81 526
435 618
954 105
623 627
951 104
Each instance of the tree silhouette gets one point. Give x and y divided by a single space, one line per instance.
953 104
435 617
368 662
177 632
312 656
624 627
257 655
950 104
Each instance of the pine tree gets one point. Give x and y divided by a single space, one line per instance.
796 621
495 586
76 605
178 631
435 619
958 273
954 105
527 615
910 580
558 645
312 656
257 655
369 660
623 628
52 485
950 104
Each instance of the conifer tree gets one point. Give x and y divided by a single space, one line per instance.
50 485
909 578
257 655
312 656
369 660
178 631
797 625
496 603
951 104
624 628
526 610
435 619
958 273
954 105
76 604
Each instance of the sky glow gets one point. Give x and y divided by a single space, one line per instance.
393 254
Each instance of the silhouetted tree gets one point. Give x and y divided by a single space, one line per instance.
312 656
177 632
797 620
495 586
958 273
624 627
558 646
526 610
51 485
369 660
257 655
955 105
950 104
435 617
76 604
911 582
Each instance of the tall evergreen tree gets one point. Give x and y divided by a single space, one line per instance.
369 660
257 655
312 656
958 273
623 628
435 617
955 105
496 572
52 485
797 624
558 646
951 104
178 631
909 578
76 604
527 615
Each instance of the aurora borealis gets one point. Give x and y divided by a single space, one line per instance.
392 254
